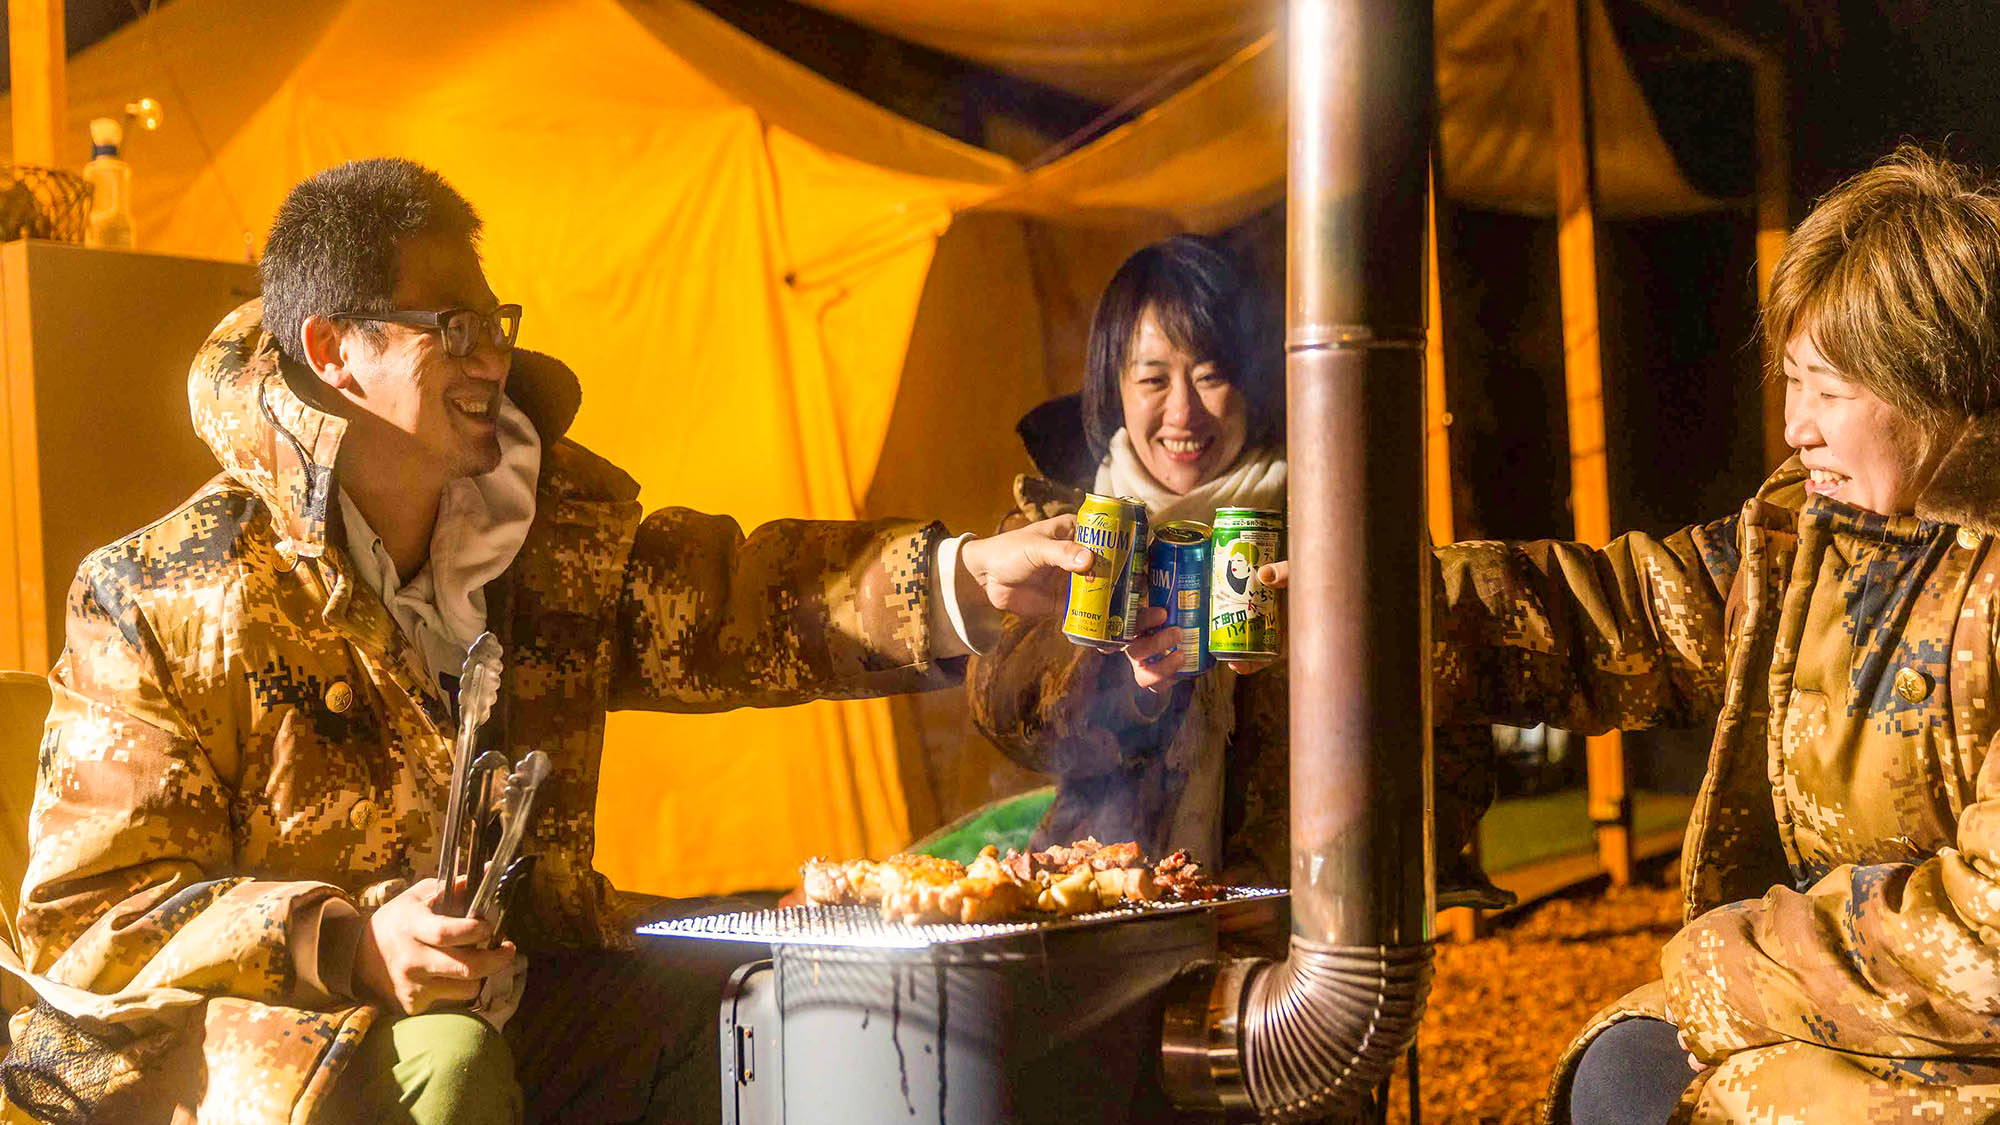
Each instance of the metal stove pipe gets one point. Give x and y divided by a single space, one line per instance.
1313 1035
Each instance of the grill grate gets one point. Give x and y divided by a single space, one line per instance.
864 926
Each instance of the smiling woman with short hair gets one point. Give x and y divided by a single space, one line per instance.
1842 868
1179 363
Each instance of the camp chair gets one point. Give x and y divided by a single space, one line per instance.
24 706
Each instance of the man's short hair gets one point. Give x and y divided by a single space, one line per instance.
333 245
1208 310
1896 274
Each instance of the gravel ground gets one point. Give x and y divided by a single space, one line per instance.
1502 1008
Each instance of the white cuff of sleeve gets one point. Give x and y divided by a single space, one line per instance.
949 636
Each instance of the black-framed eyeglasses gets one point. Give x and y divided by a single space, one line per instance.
460 329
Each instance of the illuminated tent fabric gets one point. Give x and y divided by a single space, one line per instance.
1203 157
1104 51
1216 148
648 217
782 300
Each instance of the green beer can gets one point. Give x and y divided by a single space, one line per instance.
1104 604
1243 618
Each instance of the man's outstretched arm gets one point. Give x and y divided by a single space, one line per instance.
712 619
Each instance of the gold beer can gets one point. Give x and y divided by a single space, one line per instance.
1103 609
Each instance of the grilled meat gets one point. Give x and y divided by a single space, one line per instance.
1083 855
1083 877
917 888
933 893
862 882
1180 877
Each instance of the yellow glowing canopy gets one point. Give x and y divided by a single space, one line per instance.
1215 149
647 215
782 300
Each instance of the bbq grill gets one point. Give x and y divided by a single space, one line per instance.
855 1019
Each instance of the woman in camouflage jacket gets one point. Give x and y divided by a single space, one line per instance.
1841 958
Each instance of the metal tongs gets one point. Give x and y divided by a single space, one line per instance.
463 852
503 870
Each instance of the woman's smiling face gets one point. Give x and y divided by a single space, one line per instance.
1186 419
1861 450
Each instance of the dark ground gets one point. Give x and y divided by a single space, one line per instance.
1502 1008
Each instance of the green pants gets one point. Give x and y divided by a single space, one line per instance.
602 1038
446 1068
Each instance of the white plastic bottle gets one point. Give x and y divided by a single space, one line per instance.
110 180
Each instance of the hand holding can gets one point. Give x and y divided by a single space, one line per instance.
1153 654
1244 621
1277 576
1105 603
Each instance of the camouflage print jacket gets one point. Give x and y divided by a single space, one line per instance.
1841 957
245 755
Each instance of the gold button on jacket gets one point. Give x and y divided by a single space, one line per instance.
1968 538
339 696
1912 685
362 814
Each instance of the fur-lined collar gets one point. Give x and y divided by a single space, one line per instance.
1966 489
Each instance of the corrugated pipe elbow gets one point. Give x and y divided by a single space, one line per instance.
1300 1040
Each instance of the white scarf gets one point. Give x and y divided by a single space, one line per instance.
481 524
1257 480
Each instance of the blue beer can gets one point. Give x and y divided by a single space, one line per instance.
1177 581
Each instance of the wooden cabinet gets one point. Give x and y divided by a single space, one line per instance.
95 439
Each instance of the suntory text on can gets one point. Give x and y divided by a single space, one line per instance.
1177 581
1102 611
1243 618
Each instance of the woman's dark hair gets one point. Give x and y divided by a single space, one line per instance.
1207 309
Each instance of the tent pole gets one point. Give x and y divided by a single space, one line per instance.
40 95
1461 922
1590 499
1437 419
35 50
1773 224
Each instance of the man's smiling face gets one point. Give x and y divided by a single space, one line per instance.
415 410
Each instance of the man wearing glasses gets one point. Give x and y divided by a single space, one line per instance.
242 780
